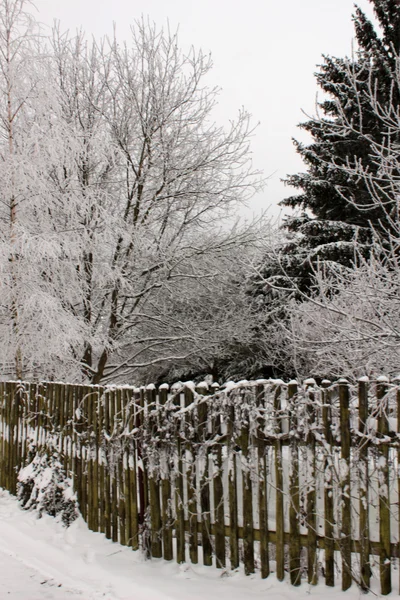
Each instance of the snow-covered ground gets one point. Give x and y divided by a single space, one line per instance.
41 560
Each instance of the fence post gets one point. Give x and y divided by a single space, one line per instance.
365 569
154 486
397 382
262 483
190 461
383 483
345 534
202 411
328 487
294 511
179 497
280 524
311 493
219 512
167 521
248 526
232 483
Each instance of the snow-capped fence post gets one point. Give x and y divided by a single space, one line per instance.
219 512
205 504
17 438
13 434
167 521
154 486
126 420
397 381
6 449
133 470
383 483
191 476
107 469
248 526
60 401
93 497
88 451
119 467
280 524
2 436
365 569
3 432
294 491
232 490
345 530
87 474
142 467
329 542
311 485
113 466
179 494
262 484
101 460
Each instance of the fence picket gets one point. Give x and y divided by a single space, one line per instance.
280 524
167 519
204 482
248 527
294 491
179 494
312 570
154 486
365 569
107 465
232 491
262 484
191 479
345 531
328 486
383 478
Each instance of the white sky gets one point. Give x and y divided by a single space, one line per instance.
264 52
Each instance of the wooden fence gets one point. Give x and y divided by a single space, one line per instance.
298 479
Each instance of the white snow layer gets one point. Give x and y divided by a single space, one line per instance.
41 560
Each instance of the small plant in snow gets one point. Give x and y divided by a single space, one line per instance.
44 486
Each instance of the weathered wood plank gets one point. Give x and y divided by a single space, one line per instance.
233 496
167 519
345 531
204 482
294 491
248 525
383 482
280 524
365 568
329 516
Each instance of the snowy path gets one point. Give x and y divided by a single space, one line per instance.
39 555
19 582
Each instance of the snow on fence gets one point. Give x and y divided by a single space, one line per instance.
301 479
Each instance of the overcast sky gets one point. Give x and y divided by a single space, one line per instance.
264 52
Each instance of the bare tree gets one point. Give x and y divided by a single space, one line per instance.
174 177
123 248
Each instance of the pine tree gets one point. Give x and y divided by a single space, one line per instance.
335 208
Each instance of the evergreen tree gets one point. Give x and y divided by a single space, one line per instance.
335 207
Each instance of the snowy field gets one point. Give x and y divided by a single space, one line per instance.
41 560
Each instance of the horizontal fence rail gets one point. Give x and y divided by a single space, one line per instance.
301 478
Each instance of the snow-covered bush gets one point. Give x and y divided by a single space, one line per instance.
44 486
